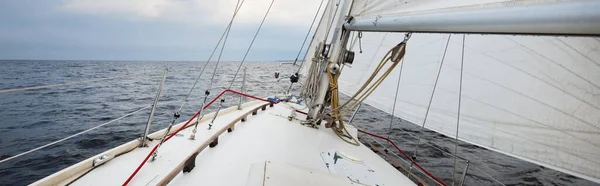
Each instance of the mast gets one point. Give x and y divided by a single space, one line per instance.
337 45
560 18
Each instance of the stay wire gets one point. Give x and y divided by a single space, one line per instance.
211 55
332 19
431 99
251 43
304 42
74 135
308 32
223 46
395 98
462 59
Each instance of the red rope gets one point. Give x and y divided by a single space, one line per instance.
405 155
301 112
185 125
399 150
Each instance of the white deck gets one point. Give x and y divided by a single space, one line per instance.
265 141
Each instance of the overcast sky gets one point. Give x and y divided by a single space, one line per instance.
149 29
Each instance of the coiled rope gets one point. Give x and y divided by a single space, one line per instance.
310 88
394 55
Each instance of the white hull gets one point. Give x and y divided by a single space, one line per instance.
267 149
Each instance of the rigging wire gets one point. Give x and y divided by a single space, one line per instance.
74 135
394 55
496 180
462 59
237 8
304 42
251 43
431 98
177 114
395 98
310 89
183 126
308 32
332 19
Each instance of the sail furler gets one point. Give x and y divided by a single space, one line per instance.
536 98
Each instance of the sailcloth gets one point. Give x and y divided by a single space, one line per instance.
536 98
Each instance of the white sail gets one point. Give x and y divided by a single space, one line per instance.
321 32
373 8
536 98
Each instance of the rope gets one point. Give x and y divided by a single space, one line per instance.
72 136
251 43
64 84
458 109
394 55
183 127
309 89
406 156
339 130
408 172
397 53
431 98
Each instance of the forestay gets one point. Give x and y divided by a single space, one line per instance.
536 98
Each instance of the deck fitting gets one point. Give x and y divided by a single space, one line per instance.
254 112
190 163
230 129
214 143
263 107
243 119
270 104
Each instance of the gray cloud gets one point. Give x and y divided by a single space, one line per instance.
45 29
